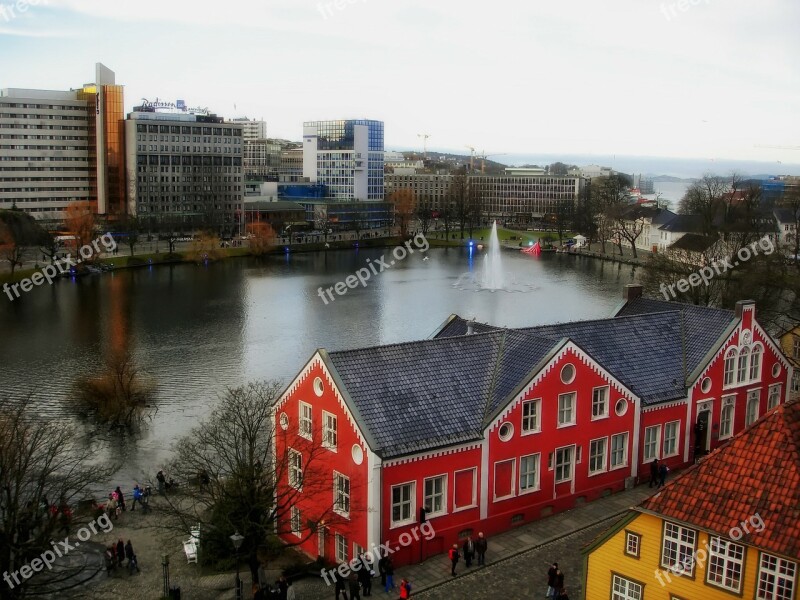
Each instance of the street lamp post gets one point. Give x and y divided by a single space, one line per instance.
237 540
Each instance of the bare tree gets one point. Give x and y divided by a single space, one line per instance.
458 197
404 208
231 456
424 215
10 250
44 472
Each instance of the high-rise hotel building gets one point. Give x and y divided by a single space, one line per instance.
346 156
60 147
184 168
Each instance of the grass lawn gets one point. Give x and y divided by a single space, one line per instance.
509 235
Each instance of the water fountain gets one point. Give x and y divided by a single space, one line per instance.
493 278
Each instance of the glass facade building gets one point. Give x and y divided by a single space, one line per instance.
346 156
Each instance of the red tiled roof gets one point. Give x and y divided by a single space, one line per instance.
756 473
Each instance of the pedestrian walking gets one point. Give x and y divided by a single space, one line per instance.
481 546
654 473
662 474
454 556
389 574
340 585
162 482
559 584
382 570
131 556
109 560
137 496
355 589
365 574
551 580
405 589
120 498
469 551
120 551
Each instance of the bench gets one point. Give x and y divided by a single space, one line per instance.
190 546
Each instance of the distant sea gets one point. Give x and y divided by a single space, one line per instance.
685 168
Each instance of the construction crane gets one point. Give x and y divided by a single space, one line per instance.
483 156
471 158
424 137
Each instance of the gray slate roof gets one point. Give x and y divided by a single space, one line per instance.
643 346
434 393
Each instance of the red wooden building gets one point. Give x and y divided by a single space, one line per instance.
487 428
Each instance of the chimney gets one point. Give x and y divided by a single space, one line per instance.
632 291
471 326
741 305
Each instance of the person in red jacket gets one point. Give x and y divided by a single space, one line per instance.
405 589
454 556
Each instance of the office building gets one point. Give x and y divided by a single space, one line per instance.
347 156
184 168
59 147
252 129
430 191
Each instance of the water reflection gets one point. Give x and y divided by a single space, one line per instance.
198 330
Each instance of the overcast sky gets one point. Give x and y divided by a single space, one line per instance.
708 79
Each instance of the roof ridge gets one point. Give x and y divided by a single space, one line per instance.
493 383
494 331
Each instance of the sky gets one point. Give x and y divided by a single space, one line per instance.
704 79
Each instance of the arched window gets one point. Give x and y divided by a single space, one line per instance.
730 367
726 421
755 363
744 354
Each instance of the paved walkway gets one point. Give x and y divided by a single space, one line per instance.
436 570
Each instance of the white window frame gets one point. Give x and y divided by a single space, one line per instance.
330 433
605 403
537 470
561 464
295 470
675 540
637 538
512 493
743 365
305 419
341 496
604 456
340 543
774 396
573 396
612 452
756 360
295 522
427 500
625 589
474 502
654 444
753 399
411 502
729 377
722 554
795 347
778 571
675 440
728 402
537 417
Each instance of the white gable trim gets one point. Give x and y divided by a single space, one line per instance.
431 454
737 333
305 373
655 407
581 356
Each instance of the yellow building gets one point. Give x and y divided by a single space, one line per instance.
790 344
726 528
